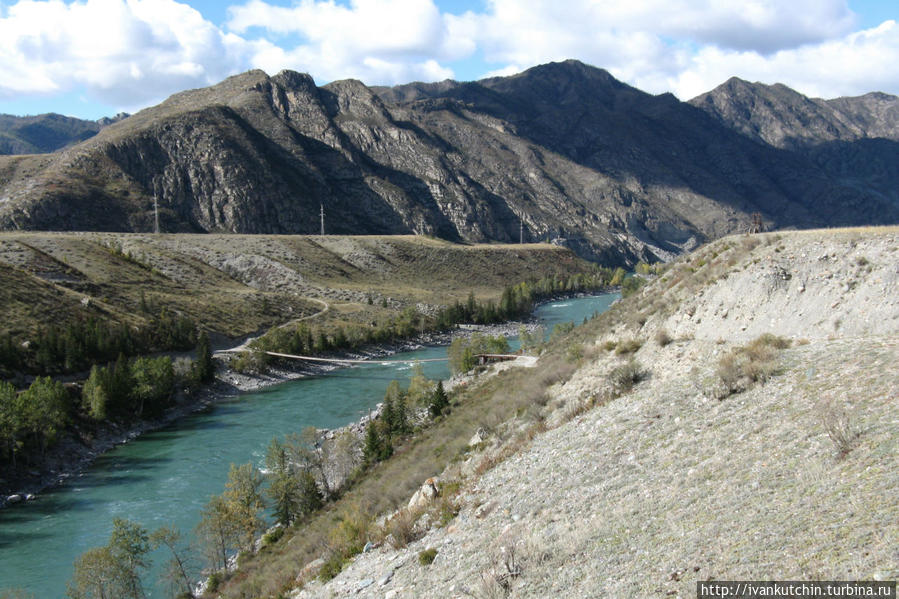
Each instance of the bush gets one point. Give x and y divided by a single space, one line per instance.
630 285
214 581
560 330
663 338
426 557
840 429
400 530
623 378
272 537
249 362
628 346
331 568
754 362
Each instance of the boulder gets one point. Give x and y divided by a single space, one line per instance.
310 570
479 437
425 495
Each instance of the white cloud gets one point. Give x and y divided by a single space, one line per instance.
130 53
127 52
854 64
378 41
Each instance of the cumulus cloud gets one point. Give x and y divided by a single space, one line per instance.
130 53
851 65
125 52
379 41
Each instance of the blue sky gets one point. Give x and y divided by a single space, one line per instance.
91 58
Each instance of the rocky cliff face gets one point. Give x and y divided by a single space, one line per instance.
562 152
853 141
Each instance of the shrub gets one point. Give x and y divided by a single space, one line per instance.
840 429
426 557
575 352
273 537
214 581
400 530
754 362
560 330
630 285
663 338
331 568
623 378
628 346
249 362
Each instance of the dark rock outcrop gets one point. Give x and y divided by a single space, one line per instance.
563 152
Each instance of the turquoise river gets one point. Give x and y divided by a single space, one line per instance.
166 476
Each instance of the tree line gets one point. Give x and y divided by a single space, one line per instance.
76 346
516 302
126 390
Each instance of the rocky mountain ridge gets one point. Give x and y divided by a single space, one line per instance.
562 152
45 133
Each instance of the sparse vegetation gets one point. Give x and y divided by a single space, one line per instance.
663 338
840 428
628 346
623 378
427 556
755 362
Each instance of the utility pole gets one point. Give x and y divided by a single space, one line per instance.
322 208
520 231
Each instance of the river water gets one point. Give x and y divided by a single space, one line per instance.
165 477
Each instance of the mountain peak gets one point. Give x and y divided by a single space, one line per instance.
294 81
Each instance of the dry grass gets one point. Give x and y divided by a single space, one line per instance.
237 284
840 427
743 366
628 346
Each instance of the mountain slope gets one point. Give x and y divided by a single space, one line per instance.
561 152
233 285
591 493
854 141
46 132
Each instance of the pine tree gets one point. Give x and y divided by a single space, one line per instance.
205 367
439 401
372 446
310 496
284 484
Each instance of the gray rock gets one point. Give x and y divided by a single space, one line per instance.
258 154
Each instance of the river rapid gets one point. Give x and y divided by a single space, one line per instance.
166 476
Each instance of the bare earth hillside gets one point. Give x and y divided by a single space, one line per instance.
718 464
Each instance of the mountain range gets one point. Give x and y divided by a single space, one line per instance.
562 152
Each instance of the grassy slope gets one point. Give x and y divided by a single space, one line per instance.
645 494
237 284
